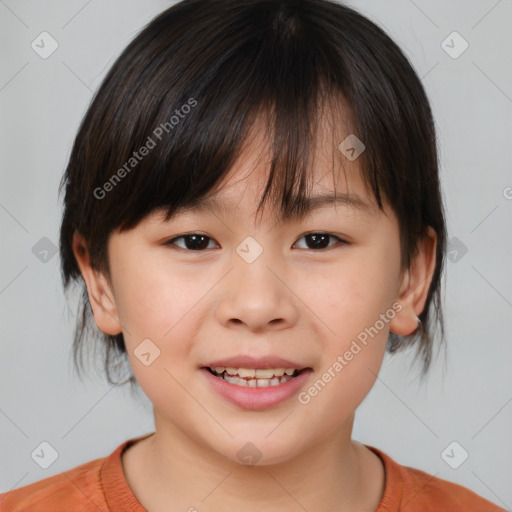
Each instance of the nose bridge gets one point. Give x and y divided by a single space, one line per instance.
256 283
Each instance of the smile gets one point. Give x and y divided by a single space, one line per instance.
254 377
255 383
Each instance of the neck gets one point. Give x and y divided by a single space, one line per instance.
329 476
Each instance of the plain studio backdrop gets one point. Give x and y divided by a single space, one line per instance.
455 426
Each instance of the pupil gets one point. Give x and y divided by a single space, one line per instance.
318 240
195 245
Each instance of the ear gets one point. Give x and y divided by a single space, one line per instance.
99 289
414 286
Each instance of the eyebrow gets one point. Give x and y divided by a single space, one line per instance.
351 201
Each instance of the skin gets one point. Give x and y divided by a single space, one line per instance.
293 301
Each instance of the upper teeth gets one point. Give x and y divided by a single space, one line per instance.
258 373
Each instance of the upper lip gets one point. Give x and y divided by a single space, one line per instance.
246 361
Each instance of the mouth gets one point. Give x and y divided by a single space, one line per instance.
255 377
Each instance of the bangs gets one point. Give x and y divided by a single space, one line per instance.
175 111
292 136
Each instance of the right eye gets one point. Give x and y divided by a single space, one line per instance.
192 242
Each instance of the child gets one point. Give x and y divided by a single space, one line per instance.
253 205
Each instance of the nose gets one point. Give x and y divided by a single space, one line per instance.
257 297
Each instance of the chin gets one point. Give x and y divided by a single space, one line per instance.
251 451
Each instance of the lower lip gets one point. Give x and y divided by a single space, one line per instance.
256 398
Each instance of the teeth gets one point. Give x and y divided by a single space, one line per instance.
256 383
246 372
251 373
267 373
255 377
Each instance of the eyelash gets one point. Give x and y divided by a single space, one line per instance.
170 242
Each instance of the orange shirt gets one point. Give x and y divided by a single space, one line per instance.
100 485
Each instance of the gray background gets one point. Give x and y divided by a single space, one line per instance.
42 102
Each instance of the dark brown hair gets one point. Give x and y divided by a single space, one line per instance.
189 87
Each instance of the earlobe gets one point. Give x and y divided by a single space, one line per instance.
100 293
415 285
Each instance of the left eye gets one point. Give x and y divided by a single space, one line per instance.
197 242
319 240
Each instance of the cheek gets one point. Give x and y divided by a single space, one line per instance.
354 303
154 301
163 307
349 296
352 352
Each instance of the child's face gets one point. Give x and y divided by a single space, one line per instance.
309 306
